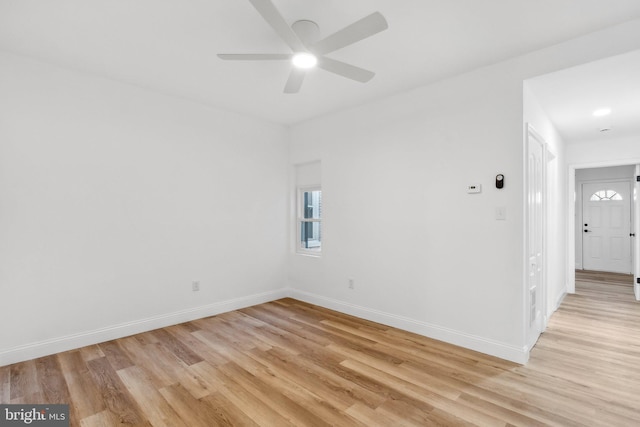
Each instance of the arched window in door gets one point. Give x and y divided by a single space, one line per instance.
605 196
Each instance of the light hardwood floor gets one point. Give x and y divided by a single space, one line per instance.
288 363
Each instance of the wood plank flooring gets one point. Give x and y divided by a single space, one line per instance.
288 363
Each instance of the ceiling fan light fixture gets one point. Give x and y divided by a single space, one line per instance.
304 60
307 50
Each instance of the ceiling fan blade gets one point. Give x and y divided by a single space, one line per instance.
277 22
355 32
345 70
256 56
294 82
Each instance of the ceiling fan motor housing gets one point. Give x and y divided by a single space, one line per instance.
308 31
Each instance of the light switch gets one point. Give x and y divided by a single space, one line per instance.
501 213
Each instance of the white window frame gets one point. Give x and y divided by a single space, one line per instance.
606 197
300 219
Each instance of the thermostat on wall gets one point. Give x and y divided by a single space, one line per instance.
474 188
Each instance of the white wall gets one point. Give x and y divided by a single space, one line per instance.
605 152
398 220
556 176
113 199
425 255
605 173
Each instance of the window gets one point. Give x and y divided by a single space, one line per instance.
308 217
310 220
605 195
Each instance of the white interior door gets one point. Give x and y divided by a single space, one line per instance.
535 232
606 231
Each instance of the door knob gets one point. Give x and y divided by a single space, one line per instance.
587 231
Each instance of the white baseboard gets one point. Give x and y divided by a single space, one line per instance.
483 345
70 342
560 298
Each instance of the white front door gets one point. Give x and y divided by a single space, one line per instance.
606 228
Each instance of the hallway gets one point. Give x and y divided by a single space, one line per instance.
592 347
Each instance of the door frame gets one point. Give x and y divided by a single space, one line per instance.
571 216
635 246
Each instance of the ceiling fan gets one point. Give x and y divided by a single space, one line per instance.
307 50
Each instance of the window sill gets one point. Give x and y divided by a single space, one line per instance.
309 254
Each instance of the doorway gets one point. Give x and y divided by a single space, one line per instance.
607 172
604 202
592 109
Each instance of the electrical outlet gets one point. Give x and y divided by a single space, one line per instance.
351 284
195 286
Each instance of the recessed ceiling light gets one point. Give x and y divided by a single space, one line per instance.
304 60
602 112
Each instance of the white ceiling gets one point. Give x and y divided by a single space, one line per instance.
570 97
171 45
